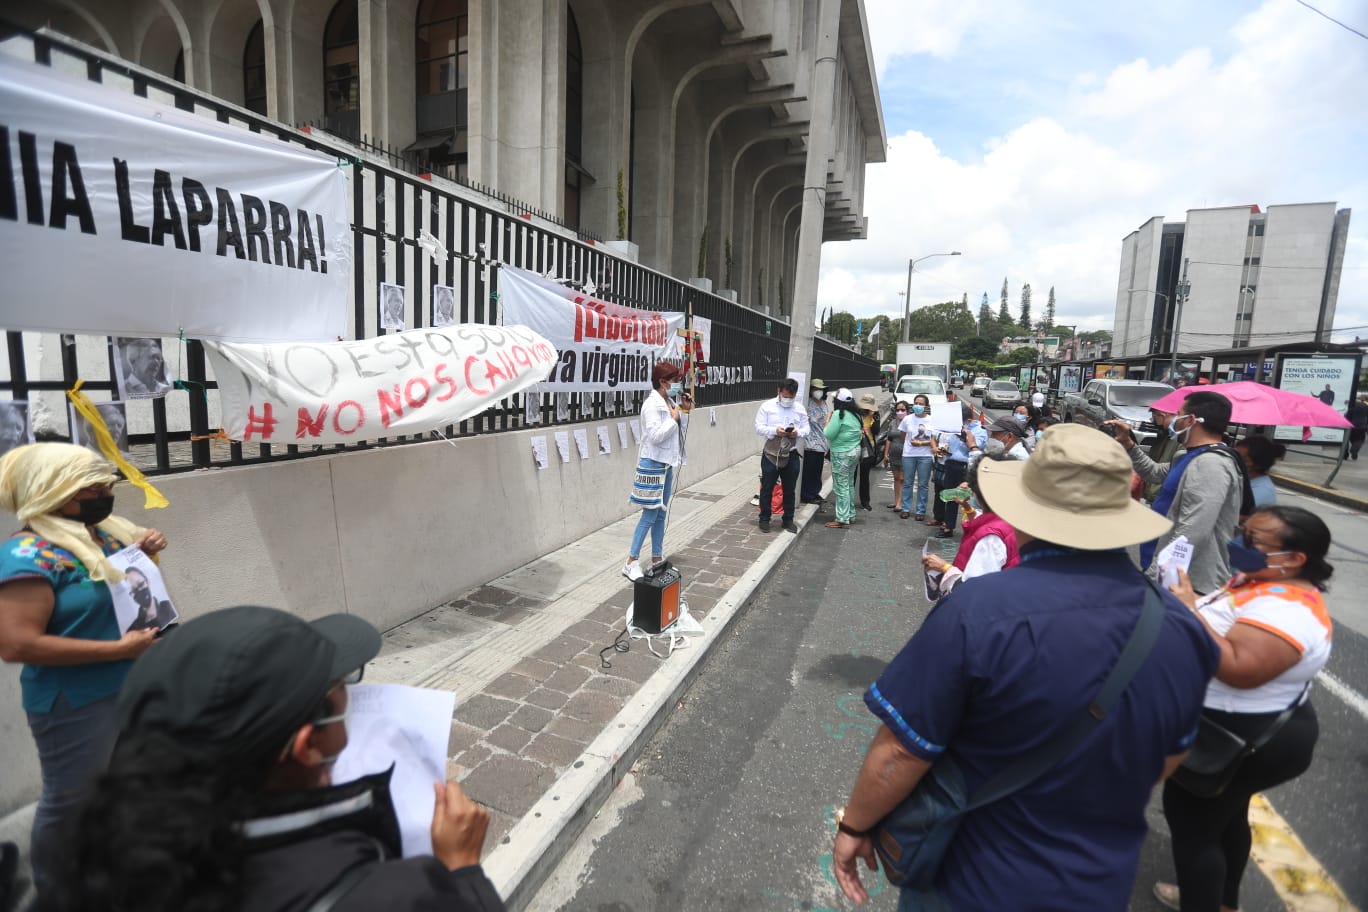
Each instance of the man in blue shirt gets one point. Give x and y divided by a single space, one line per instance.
994 673
957 448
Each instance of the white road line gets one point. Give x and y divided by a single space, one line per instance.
1357 701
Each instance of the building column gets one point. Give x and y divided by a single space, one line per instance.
823 91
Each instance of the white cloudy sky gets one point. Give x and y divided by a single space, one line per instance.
1033 135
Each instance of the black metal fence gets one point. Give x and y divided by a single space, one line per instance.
391 207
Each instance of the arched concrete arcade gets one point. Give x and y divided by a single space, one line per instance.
694 112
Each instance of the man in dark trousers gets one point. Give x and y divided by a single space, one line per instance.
1357 413
781 421
991 675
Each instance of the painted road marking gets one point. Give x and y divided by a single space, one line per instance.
1300 881
1356 701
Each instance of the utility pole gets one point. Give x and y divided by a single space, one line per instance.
819 143
1179 299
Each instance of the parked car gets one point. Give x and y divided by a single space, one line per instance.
1003 393
1128 400
933 388
980 384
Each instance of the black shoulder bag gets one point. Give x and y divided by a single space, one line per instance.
913 838
1218 753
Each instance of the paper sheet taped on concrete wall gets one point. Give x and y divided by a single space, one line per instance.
341 392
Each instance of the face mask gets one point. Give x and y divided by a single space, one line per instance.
786 402
994 448
1181 436
919 410
1021 418
1246 558
143 597
819 395
901 413
676 389
95 510
1038 433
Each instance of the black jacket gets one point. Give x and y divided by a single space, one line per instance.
303 843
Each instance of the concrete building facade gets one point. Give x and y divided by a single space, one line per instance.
1252 277
677 125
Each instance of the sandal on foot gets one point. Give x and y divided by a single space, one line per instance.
834 524
1167 894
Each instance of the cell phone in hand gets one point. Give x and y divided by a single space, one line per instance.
789 429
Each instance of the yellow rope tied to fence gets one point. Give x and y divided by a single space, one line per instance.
153 499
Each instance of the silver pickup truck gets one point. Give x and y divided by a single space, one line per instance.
1128 400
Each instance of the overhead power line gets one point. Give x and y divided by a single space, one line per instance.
1349 28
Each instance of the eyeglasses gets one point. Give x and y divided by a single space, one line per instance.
353 678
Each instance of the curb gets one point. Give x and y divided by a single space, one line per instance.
1314 490
530 851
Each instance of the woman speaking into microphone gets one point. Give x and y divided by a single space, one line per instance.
662 452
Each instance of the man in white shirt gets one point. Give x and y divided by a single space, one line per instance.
1005 436
781 423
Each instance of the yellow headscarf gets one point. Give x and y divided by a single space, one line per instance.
35 480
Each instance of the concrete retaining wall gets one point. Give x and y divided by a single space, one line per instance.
385 534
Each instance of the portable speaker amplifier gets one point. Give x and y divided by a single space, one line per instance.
655 600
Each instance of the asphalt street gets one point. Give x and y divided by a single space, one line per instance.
731 806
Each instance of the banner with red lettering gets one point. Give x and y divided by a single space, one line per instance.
603 346
404 383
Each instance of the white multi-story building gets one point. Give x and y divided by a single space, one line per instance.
1252 278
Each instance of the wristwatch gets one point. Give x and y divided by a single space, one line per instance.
848 830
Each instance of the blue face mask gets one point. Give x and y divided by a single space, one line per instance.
919 410
1021 418
1246 558
676 389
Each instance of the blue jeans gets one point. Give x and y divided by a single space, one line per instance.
918 467
653 521
73 748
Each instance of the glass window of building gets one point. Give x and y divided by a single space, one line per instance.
342 60
574 120
442 54
254 70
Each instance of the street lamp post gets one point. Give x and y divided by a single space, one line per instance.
907 299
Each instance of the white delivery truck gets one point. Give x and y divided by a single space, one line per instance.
924 359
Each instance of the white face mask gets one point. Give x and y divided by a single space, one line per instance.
819 395
786 402
994 448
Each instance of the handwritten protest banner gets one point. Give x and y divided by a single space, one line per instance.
404 383
125 217
603 346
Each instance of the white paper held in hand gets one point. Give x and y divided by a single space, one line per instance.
1175 556
407 728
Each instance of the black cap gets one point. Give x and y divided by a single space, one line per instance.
242 679
1008 423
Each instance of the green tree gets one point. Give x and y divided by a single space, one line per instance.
1047 321
975 348
1025 321
1004 313
974 366
985 315
1026 354
948 321
841 327
1096 335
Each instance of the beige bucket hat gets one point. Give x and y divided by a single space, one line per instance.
1073 491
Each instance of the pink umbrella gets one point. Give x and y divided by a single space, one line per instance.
1255 403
